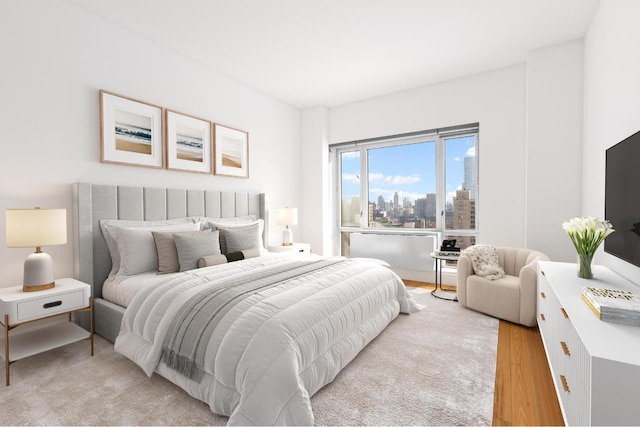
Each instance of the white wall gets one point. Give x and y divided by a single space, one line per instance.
56 56
554 146
494 99
315 176
612 103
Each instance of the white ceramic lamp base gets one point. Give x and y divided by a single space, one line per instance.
38 272
287 237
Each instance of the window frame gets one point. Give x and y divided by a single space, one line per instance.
438 136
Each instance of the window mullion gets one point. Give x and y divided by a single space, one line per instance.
364 187
441 193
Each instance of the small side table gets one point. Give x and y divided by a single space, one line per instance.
295 248
18 308
441 293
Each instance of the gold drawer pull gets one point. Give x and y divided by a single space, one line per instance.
565 385
542 295
542 316
565 349
542 272
564 313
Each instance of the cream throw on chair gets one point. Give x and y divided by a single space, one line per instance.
511 297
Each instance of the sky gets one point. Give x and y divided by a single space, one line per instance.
409 170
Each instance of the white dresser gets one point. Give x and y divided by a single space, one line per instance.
595 364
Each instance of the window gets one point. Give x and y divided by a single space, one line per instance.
418 183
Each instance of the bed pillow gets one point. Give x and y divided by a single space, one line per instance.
193 246
107 225
134 248
238 239
210 260
168 261
214 225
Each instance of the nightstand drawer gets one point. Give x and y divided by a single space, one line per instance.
302 248
50 305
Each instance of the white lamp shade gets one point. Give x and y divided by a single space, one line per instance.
288 216
36 227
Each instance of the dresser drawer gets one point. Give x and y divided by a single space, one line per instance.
50 305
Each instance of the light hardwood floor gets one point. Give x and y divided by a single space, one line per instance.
524 394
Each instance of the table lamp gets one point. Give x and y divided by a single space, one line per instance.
287 217
36 227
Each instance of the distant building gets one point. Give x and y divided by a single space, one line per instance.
370 215
464 216
469 176
430 212
464 211
421 208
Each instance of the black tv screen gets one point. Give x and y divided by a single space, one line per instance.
622 199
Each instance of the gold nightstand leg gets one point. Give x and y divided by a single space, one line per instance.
91 322
6 347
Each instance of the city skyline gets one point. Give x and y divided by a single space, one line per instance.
408 170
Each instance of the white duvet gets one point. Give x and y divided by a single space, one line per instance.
277 348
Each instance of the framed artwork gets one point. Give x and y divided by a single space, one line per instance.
188 143
231 149
130 131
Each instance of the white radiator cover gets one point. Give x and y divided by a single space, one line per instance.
401 251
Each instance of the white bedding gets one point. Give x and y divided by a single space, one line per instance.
274 350
121 289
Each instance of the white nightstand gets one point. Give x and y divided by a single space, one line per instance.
295 248
18 308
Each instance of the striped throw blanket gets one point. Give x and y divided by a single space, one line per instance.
186 342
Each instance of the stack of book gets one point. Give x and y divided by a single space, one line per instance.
613 305
447 253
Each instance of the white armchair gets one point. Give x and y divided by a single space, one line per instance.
512 297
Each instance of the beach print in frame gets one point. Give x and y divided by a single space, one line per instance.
188 141
130 131
231 151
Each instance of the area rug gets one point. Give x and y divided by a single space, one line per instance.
435 367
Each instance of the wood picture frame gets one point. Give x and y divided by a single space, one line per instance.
188 143
131 131
231 151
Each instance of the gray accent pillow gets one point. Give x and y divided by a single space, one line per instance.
168 261
225 223
240 238
193 246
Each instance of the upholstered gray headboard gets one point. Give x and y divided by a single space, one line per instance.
95 202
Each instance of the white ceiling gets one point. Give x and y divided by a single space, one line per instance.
331 52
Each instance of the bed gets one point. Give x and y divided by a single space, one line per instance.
252 334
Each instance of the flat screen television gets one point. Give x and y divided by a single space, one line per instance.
622 199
